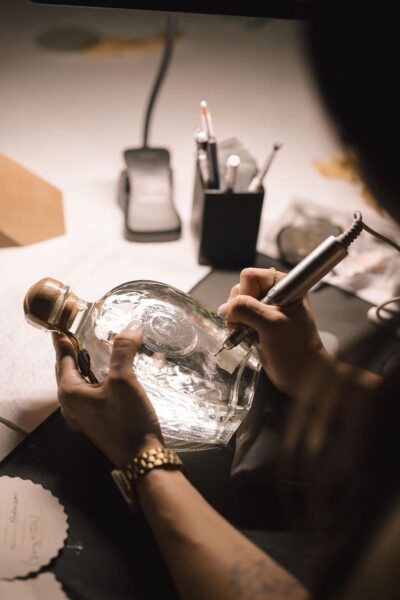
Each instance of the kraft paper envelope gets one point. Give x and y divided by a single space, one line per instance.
31 210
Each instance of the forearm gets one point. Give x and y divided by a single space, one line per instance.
207 557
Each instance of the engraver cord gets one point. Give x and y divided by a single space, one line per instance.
380 314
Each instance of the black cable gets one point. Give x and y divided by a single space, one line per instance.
393 315
170 29
356 225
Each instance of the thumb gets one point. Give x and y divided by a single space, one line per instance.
125 346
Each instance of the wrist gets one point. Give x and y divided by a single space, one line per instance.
144 443
138 446
152 457
302 371
156 481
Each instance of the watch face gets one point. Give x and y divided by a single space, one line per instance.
124 486
297 240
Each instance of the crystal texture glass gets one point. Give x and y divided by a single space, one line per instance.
200 399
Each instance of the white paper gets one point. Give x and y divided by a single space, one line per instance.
91 265
371 269
33 527
43 587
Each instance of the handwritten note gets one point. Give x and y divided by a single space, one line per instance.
43 586
33 527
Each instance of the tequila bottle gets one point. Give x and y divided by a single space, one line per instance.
200 398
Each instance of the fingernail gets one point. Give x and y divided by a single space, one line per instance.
223 309
133 325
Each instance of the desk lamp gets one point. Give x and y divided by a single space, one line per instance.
145 186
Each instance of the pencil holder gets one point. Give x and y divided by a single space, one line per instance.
225 225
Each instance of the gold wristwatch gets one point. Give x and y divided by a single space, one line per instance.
139 466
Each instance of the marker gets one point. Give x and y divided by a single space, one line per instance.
232 167
257 180
201 138
212 146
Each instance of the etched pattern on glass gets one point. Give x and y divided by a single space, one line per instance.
199 398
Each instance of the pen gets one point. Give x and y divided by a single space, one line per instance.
232 166
257 180
212 146
302 277
202 157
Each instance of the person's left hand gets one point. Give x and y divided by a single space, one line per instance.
115 414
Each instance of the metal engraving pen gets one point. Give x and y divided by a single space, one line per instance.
302 277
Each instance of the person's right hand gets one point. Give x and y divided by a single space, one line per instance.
290 347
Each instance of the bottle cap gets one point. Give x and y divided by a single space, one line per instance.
51 305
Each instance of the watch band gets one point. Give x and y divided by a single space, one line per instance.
140 465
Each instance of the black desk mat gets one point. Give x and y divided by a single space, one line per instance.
109 553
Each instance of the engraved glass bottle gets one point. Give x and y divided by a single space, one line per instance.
200 398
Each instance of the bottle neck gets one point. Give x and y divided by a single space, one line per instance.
83 310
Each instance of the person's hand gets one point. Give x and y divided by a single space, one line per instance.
289 345
115 414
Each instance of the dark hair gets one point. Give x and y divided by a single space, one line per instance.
355 48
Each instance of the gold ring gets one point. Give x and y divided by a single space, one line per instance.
275 280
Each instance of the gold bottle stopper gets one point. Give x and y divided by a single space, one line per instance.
50 304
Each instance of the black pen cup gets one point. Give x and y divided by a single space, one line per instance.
225 225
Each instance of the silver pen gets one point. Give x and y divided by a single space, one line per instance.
231 170
302 277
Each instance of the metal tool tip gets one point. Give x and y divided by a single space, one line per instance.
277 146
220 350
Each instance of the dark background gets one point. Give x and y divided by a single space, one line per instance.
292 9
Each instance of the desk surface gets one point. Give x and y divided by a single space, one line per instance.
109 553
68 118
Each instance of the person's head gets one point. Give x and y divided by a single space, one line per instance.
355 48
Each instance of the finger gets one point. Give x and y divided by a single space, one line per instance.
253 282
125 346
257 282
222 309
235 291
252 312
66 370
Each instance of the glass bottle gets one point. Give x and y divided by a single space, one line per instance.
200 399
